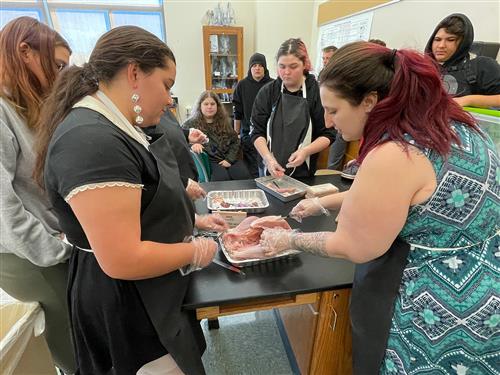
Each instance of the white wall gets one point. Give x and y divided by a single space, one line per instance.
266 24
184 21
276 22
409 23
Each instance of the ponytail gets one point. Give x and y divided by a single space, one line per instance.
114 50
417 105
411 97
73 84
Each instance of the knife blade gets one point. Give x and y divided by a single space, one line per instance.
228 266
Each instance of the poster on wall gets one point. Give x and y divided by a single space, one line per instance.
346 30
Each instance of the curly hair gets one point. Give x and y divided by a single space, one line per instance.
220 125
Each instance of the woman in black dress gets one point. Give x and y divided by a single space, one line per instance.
121 202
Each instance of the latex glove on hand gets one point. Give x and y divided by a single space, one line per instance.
297 158
274 241
204 251
194 190
211 222
308 207
197 148
274 168
197 136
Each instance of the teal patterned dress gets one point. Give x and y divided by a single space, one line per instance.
447 313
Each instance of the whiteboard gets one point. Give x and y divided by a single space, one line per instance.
346 30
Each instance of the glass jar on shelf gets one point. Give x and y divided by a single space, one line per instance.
223 57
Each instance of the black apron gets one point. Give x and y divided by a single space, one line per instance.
178 330
375 288
180 146
152 308
287 129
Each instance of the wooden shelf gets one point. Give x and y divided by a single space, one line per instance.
236 35
223 54
216 311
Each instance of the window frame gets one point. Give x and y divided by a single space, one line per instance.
45 9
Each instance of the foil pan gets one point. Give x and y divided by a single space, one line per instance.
271 184
251 262
251 201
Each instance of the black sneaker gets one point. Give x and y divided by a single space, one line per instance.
350 170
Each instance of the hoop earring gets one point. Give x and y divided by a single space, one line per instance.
137 109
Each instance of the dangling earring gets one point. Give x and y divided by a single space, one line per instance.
137 109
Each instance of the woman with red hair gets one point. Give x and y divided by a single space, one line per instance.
422 217
287 116
33 256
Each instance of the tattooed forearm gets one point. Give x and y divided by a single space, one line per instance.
311 242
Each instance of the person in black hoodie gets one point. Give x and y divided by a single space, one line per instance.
473 82
288 125
243 98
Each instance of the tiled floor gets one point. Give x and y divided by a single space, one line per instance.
246 344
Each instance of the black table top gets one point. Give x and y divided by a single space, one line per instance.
304 273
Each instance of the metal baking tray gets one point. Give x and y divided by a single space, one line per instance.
235 198
283 182
251 262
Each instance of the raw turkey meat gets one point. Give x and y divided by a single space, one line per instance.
242 242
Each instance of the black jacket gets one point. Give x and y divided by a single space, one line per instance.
244 96
268 96
465 76
217 148
177 138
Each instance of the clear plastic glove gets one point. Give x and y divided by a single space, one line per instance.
275 241
308 207
197 148
297 158
204 251
274 168
197 136
213 222
194 190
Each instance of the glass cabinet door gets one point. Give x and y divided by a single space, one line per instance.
223 55
223 61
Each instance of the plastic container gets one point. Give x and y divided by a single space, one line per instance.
489 121
22 350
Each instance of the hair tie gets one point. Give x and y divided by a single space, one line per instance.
393 58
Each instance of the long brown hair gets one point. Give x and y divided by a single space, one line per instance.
113 52
18 84
411 97
221 125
